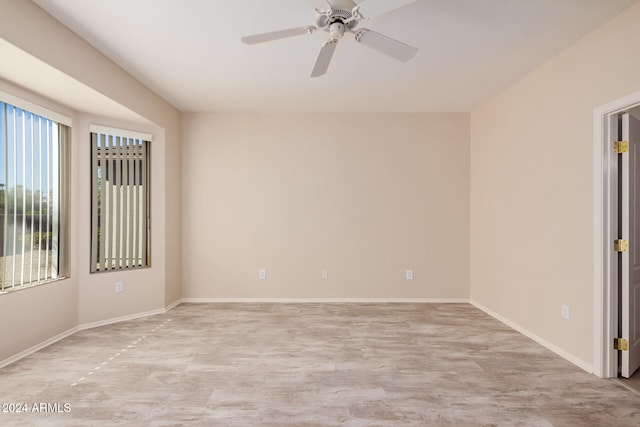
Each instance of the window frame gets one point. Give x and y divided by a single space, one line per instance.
96 245
63 179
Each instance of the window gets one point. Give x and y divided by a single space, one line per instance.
119 199
32 192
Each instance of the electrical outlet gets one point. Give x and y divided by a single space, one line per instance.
565 311
262 274
119 287
324 274
408 274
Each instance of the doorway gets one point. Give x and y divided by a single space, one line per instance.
628 150
615 183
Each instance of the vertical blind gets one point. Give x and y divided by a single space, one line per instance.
119 202
31 154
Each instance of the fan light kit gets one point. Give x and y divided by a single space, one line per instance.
343 17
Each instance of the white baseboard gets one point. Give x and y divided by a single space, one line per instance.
172 305
560 352
82 327
129 317
121 319
328 300
38 347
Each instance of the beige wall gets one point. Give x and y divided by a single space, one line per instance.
379 194
143 289
364 196
32 316
532 186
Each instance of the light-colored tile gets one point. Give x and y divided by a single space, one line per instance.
311 365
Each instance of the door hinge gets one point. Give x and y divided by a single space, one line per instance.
620 344
620 245
621 146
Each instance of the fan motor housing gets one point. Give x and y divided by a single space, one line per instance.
344 4
341 11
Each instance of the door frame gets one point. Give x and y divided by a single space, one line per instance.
605 214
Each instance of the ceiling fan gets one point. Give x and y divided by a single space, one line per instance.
343 17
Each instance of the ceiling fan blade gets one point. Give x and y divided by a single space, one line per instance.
324 58
372 8
276 35
387 45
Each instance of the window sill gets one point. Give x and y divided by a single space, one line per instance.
34 285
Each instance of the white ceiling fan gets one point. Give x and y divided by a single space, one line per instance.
343 17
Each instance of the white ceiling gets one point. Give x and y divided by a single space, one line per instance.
189 51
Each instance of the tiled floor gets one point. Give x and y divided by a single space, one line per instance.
633 383
309 365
